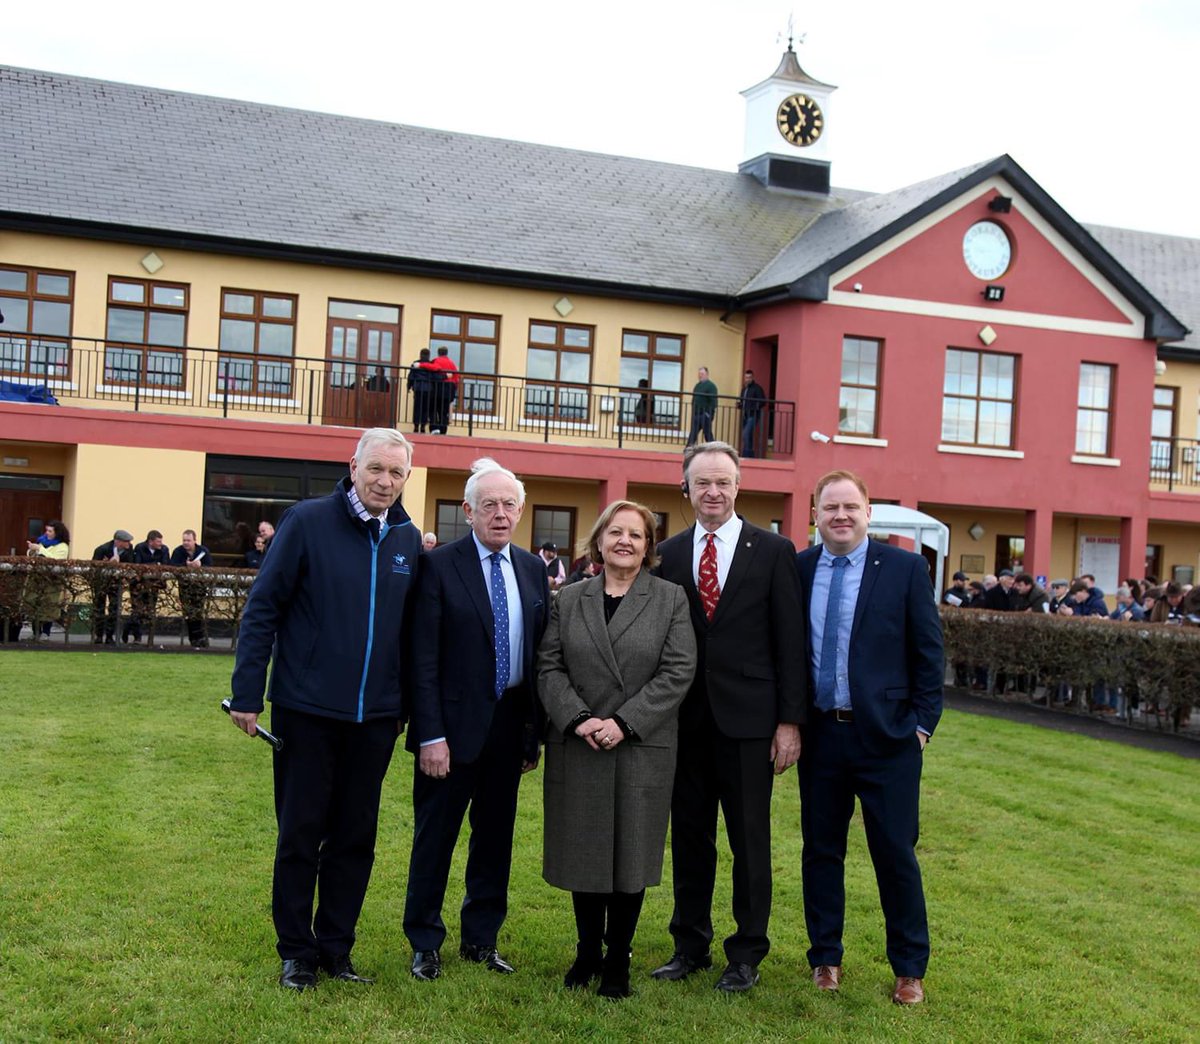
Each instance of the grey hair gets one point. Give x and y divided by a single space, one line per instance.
389 435
716 446
480 470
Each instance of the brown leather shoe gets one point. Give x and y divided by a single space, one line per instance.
827 977
908 991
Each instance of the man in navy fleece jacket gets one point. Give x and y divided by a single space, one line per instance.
328 607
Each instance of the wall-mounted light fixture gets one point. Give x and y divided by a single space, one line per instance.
976 532
1000 204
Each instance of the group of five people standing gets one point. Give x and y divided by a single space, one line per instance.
669 691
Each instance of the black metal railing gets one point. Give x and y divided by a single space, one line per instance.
1175 461
207 382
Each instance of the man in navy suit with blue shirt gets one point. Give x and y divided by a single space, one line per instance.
877 668
484 604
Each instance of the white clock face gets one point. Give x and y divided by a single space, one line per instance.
987 250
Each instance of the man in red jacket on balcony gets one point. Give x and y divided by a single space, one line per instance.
445 391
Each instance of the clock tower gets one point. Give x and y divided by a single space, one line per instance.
787 129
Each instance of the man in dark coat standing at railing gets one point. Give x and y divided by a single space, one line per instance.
750 405
106 587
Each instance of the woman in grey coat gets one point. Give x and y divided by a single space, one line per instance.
614 666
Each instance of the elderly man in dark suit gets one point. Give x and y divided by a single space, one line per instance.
740 722
875 650
484 605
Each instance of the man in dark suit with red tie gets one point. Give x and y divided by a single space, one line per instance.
875 650
740 722
484 604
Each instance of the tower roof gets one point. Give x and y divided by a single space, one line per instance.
789 69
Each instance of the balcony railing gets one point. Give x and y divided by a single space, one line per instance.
1175 462
206 382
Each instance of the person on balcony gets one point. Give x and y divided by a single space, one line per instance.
750 405
422 379
704 405
445 391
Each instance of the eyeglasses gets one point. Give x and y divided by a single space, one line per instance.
491 507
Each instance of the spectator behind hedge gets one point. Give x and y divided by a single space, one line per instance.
1168 606
1028 597
58 546
1127 607
1083 600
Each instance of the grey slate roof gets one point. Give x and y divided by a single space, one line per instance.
99 156
1168 266
121 155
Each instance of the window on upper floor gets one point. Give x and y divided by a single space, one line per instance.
34 340
258 340
652 366
979 398
145 333
472 340
1164 424
558 371
858 397
1093 413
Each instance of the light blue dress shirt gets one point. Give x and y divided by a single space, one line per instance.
516 619
851 583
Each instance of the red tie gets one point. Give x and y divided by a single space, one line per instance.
710 589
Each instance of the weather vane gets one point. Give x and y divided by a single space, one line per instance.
791 33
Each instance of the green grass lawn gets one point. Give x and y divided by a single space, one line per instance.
136 837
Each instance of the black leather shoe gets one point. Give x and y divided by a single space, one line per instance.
426 965
737 978
488 956
298 975
680 966
339 967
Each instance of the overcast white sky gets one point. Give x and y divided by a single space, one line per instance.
1096 100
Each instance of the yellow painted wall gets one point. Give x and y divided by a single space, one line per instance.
118 487
961 519
414 499
708 341
1186 377
1180 544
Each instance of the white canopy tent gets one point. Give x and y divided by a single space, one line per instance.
923 530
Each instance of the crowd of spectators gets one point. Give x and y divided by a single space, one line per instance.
111 616
1136 600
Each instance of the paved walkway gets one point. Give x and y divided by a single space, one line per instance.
1186 744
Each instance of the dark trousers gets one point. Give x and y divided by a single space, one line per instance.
714 771
327 782
143 604
834 769
749 428
701 421
191 600
422 408
106 611
488 785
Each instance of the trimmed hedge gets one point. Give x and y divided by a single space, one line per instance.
38 589
1162 661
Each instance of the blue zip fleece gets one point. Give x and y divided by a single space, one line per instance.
328 607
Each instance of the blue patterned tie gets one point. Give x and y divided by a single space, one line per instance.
500 618
827 679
